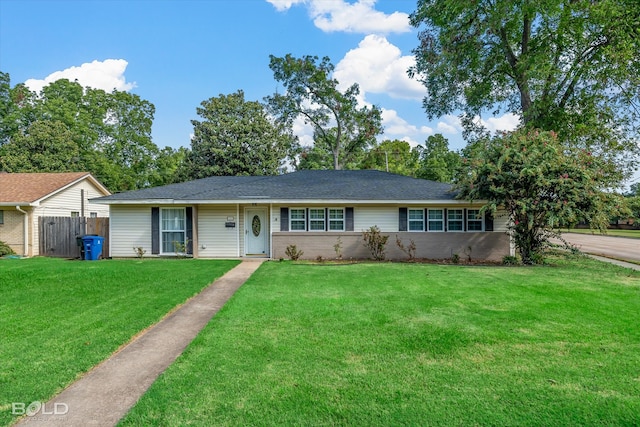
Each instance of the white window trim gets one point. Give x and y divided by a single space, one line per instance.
323 219
343 220
421 221
480 220
291 220
442 221
449 221
162 230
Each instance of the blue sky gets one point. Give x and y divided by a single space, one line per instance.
177 54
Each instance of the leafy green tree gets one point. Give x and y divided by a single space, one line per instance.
437 163
46 146
540 183
393 156
108 134
236 137
568 66
340 127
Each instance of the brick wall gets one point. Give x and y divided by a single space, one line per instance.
11 232
491 246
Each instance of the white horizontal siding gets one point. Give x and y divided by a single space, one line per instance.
130 227
501 221
386 218
215 240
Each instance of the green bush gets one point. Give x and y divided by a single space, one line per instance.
5 249
510 260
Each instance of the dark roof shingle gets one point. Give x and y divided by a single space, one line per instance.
302 185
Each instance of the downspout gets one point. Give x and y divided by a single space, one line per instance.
26 230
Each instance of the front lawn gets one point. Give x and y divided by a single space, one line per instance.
411 344
58 318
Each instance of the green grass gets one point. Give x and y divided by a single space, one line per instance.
634 234
411 344
58 318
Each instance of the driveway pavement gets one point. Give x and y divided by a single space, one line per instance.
608 246
106 393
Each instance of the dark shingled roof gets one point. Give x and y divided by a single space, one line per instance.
302 185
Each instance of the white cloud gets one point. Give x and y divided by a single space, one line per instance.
358 17
450 125
283 5
395 127
379 67
107 75
506 122
303 131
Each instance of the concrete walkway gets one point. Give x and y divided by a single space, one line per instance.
106 393
616 262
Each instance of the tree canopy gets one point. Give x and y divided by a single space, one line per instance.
66 128
341 127
236 137
437 162
563 65
541 183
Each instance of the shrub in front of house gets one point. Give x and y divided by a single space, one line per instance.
5 249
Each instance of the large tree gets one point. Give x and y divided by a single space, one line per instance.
236 137
108 134
341 127
437 162
540 183
393 156
45 146
571 66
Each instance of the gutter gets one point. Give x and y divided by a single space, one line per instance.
26 230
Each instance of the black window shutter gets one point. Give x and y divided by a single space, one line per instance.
348 219
326 219
402 223
284 219
426 219
189 212
446 219
488 222
306 215
155 231
464 219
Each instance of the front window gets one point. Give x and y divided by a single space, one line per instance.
474 220
455 220
173 229
336 219
316 220
436 220
1 217
93 214
297 219
75 214
416 219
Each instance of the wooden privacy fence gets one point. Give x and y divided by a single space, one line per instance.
58 235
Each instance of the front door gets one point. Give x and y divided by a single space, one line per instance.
256 232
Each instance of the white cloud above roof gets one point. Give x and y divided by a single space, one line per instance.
107 75
358 17
379 67
395 127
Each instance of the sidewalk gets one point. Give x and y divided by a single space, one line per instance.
106 393
616 262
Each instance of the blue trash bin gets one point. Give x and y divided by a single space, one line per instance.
92 247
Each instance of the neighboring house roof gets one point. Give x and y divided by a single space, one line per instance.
31 187
360 185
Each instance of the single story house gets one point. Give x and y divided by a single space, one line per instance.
260 216
26 196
